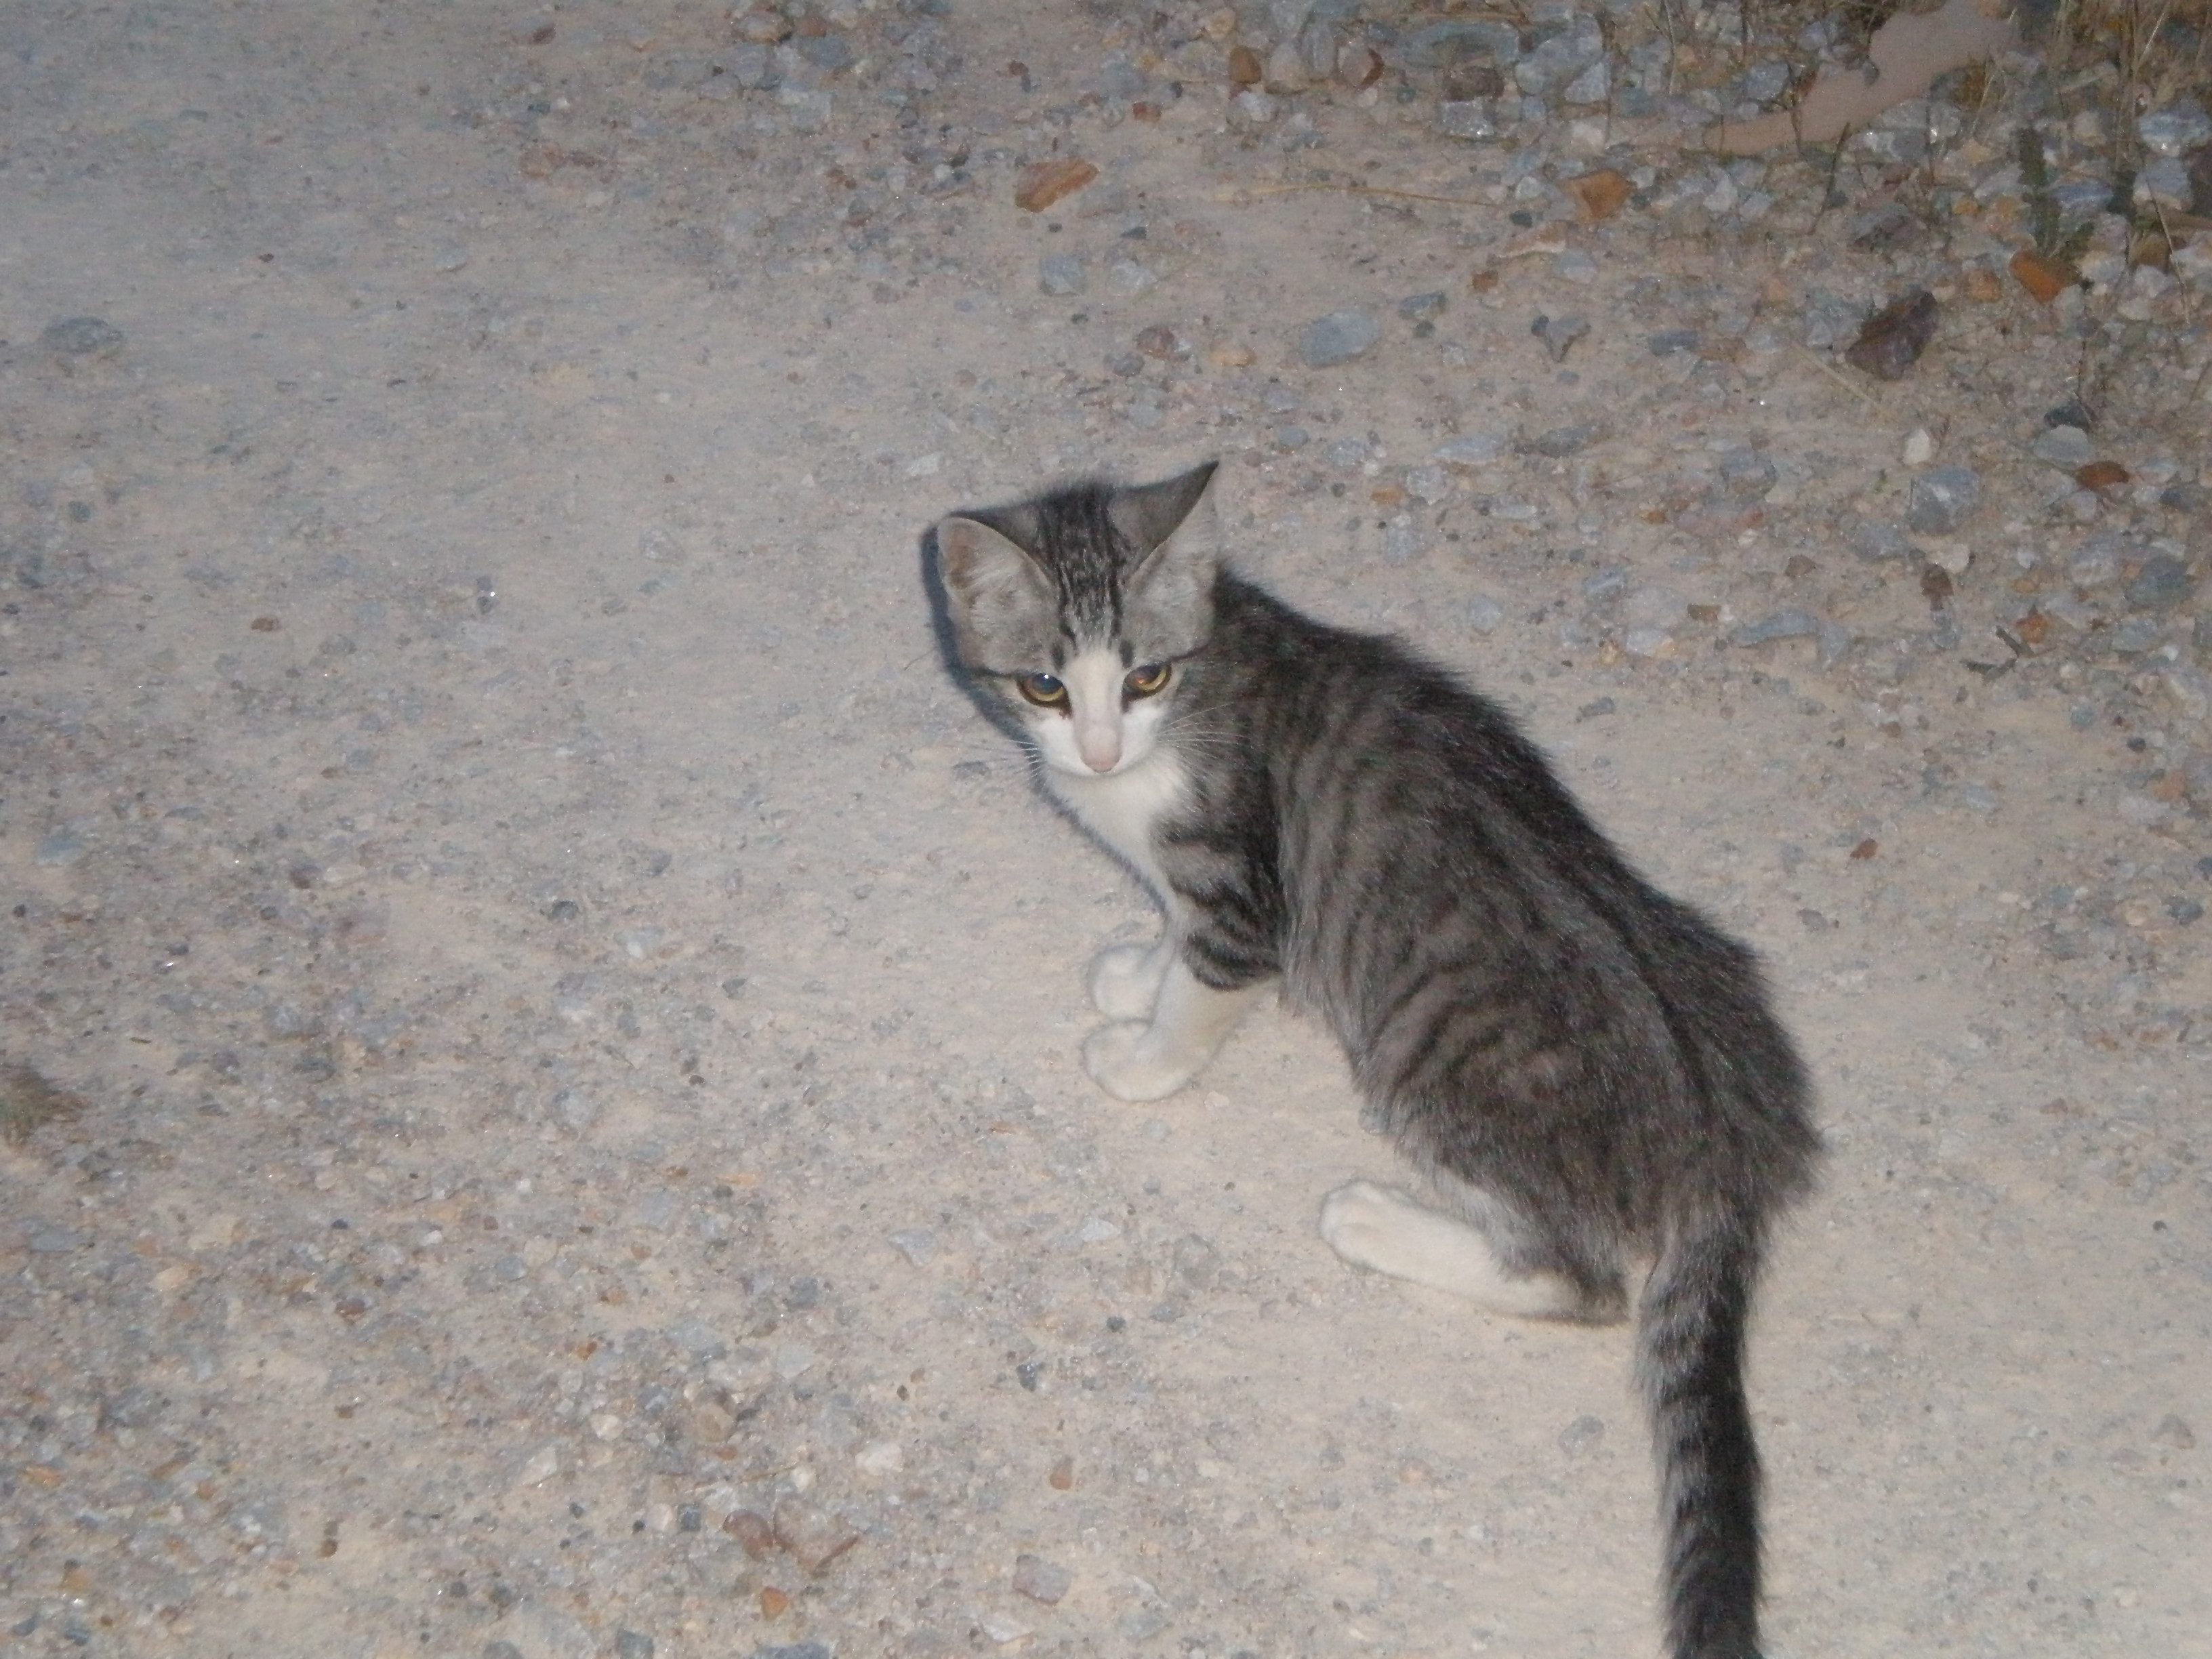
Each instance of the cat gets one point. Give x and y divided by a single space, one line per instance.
1587 1071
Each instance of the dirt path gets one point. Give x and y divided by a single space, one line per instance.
582 1149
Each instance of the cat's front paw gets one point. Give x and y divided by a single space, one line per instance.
1129 1062
1125 979
1367 1225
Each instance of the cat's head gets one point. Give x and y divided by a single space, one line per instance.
1081 607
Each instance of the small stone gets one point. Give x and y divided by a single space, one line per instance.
1562 441
1245 67
1142 1625
633 1644
1891 340
1285 70
1472 449
1484 614
2043 278
1162 343
81 337
2174 128
59 850
1421 307
1040 1580
916 1244
1584 1434
544 1463
1942 500
762 25
880 1457
2066 448
1672 341
787 1650
815 1537
1560 334
1339 337
2161 583
1952 558
1472 119
754 1534
1919 447
1789 623
1044 183
1062 1475
1060 274
1600 194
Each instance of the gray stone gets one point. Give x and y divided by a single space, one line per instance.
1041 1580
1746 474
1668 341
1561 59
1060 274
2174 128
1420 308
1290 437
2161 583
1789 623
1584 1434
1471 449
1942 500
629 1644
1484 614
916 1244
1439 45
2062 446
61 849
81 337
752 66
794 1650
1473 119
1339 337
1558 334
1562 441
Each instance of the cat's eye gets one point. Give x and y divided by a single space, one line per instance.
1045 691
1149 679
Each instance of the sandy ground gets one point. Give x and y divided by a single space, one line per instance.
583 1150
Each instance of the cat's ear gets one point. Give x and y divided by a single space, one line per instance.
1170 591
1000 596
1150 514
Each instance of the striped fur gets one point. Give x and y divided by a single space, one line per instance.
1588 1070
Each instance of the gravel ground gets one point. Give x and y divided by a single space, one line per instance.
544 1116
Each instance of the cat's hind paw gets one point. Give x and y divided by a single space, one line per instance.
1384 1228
1125 1060
1125 979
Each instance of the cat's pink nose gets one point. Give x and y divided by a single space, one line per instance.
1102 751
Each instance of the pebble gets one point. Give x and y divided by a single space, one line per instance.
1919 447
2062 446
60 849
1942 500
2161 583
1562 441
1584 1434
1472 449
880 1457
1484 614
1472 119
1560 334
794 1650
1421 307
81 337
633 1644
1672 341
1339 337
1060 274
1041 1580
916 1244
1789 623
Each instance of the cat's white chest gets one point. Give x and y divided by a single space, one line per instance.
1123 809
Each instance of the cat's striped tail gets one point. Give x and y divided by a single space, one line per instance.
1690 1335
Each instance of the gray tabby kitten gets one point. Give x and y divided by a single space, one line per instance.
1586 1070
